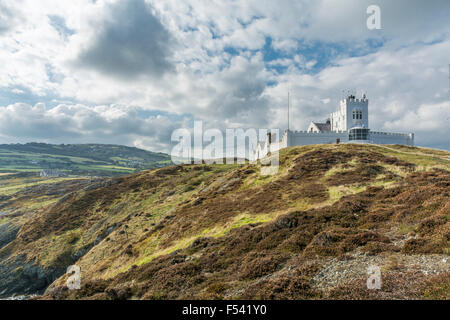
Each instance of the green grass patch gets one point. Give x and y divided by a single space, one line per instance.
338 192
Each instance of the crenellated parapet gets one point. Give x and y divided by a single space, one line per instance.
349 124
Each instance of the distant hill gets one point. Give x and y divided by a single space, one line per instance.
79 159
227 232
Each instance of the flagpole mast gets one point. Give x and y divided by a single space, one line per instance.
288 110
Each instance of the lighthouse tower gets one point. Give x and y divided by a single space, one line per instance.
353 113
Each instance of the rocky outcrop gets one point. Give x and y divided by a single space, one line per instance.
18 276
21 277
8 233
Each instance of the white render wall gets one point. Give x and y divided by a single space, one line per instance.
392 138
302 138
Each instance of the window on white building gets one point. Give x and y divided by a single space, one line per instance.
357 114
358 134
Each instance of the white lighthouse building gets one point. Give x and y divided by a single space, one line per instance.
349 124
352 113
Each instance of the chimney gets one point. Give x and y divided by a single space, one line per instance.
269 138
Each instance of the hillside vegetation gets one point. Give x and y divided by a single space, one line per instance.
78 159
227 232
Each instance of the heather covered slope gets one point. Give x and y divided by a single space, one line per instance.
23 196
225 231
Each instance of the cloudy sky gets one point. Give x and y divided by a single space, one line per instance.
132 71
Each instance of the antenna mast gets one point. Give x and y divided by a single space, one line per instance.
288 109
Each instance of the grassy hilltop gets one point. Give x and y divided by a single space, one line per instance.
78 159
226 232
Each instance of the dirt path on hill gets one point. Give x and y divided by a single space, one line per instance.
415 153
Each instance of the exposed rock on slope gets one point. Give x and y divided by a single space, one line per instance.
26 197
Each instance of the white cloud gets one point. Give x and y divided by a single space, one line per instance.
431 123
233 87
83 124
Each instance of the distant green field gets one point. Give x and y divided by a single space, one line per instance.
14 184
83 159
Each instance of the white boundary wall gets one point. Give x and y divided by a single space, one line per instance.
302 138
392 138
